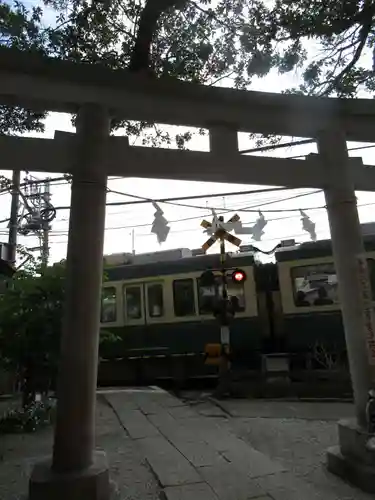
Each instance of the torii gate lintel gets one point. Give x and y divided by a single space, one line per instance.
58 155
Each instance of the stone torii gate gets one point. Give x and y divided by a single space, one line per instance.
96 94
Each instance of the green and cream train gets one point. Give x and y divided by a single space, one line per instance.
155 305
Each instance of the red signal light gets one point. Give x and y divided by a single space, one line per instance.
238 276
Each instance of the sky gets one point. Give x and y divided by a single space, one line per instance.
128 228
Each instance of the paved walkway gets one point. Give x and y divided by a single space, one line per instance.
159 447
199 455
129 470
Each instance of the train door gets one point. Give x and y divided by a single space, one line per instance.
134 317
134 305
154 302
144 309
143 303
154 315
144 312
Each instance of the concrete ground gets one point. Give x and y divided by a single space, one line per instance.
161 447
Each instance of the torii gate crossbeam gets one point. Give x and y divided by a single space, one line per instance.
43 83
58 156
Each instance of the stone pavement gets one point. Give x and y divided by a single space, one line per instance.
135 481
159 447
297 434
201 455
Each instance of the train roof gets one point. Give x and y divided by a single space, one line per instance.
312 249
177 266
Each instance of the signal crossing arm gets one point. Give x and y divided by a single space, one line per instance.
221 233
224 225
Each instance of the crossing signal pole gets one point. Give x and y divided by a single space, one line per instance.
223 310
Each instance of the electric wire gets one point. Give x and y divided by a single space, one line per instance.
139 199
177 221
271 147
223 210
358 148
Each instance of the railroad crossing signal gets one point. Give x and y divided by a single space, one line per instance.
238 276
220 233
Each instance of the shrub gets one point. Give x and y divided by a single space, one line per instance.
31 418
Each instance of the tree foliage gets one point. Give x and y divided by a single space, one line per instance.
197 41
21 29
344 33
31 314
204 41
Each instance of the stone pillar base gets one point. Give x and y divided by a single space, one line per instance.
351 460
90 484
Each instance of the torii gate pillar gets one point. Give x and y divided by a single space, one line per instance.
77 472
352 459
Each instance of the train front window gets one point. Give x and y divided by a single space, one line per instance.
155 300
133 302
183 297
108 308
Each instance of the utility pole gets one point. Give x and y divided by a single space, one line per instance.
13 221
46 226
39 214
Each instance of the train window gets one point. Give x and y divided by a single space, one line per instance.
183 297
317 285
237 290
155 300
133 302
108 309
208 295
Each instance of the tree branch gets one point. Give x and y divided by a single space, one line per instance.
368 9
140 58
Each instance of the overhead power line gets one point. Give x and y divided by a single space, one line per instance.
278 146
218 195
142 200
176 221
349 149
226 210
34 182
